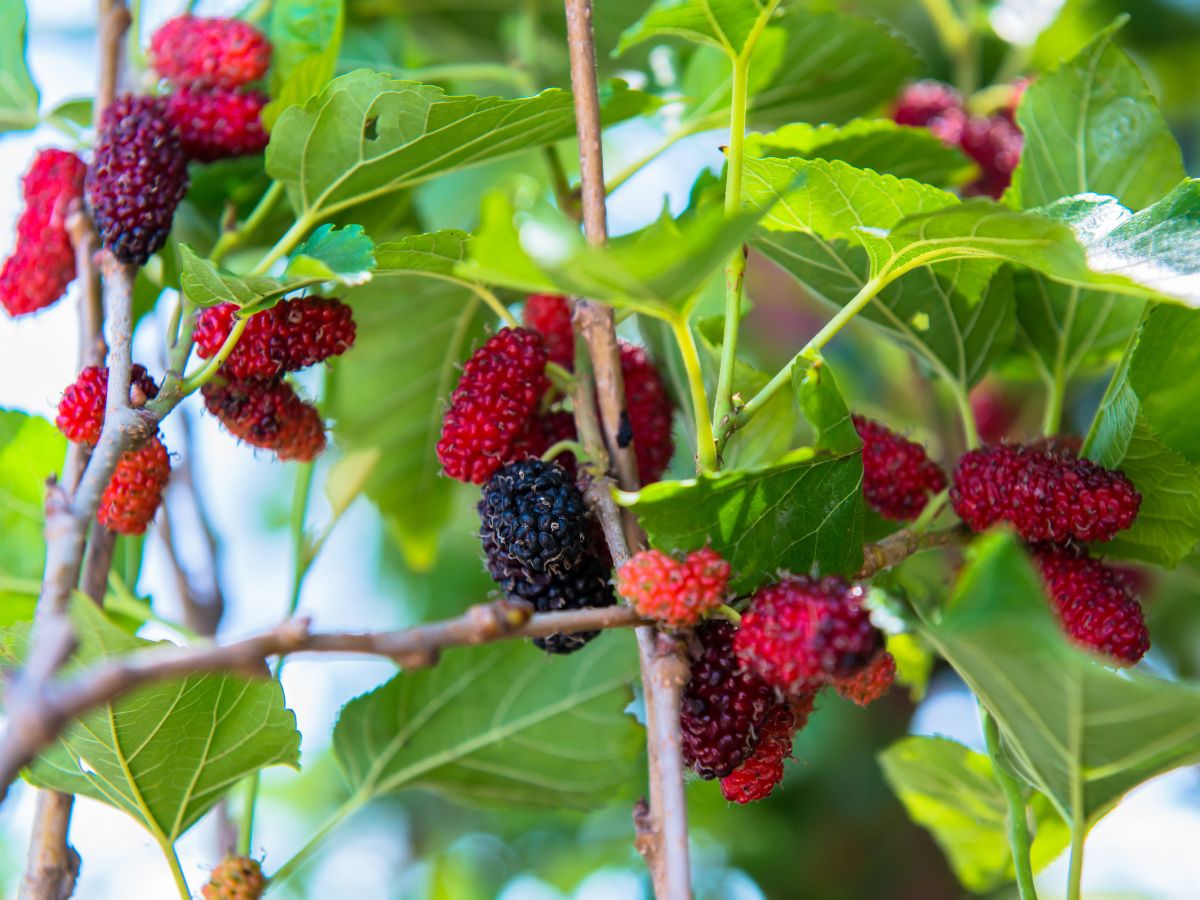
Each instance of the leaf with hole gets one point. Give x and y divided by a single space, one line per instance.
502 723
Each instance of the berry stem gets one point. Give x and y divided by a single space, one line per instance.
966 415
1052 417
728 612
738 418
493 303
957 38
196 381
706 452
232 238
1018 818
568 446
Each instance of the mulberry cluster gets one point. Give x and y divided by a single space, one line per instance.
267 413
236 878
801 633
647 400
209 61
679 593
491 409
134 492
537 540
1094 603
898 475
1046 494
723 706
137 177
290 336
994 142
1059 502
43 262
250 395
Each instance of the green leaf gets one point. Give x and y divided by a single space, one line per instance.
532 247
503 723
952 792
334 254
18 93
389 396
304 34
167 752
725 24
339 255
1093 125
878 144
1164 371
1072 728
306 80
367 135
31 450
1067 328
436 253
817 392
807 66
957 315
803 511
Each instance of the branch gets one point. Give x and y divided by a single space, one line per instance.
895 548
35 720
661 826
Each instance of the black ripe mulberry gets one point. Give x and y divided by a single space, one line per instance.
137 177
533 521
586 586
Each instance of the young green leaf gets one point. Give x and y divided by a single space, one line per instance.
167 752
389 395
878 144
18 93
1074 729
1092 125
817 392
801 512
503 723
304 33
952 792
330 255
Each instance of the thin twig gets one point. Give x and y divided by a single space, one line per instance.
661 827
114 22
895 548
34 721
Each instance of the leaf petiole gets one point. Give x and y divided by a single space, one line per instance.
1019 841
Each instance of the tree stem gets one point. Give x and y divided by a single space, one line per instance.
1019 840
706 454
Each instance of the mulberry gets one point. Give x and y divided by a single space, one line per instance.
81 409
267 414
133 495
190 51
289 336
870 683
218 124
585 586
236 878
550 316
678 593
137 177
898 476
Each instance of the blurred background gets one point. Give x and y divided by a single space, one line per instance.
835 830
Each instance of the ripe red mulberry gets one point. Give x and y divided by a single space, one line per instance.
679 593
81 409
650 413
267 414
190 51
723 706
898 476
870 683
236 878
499 391
218 124
995 143
933 105
802 633
550 316
137 177
1094 604
1046 494
290 336
133 495
42 264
